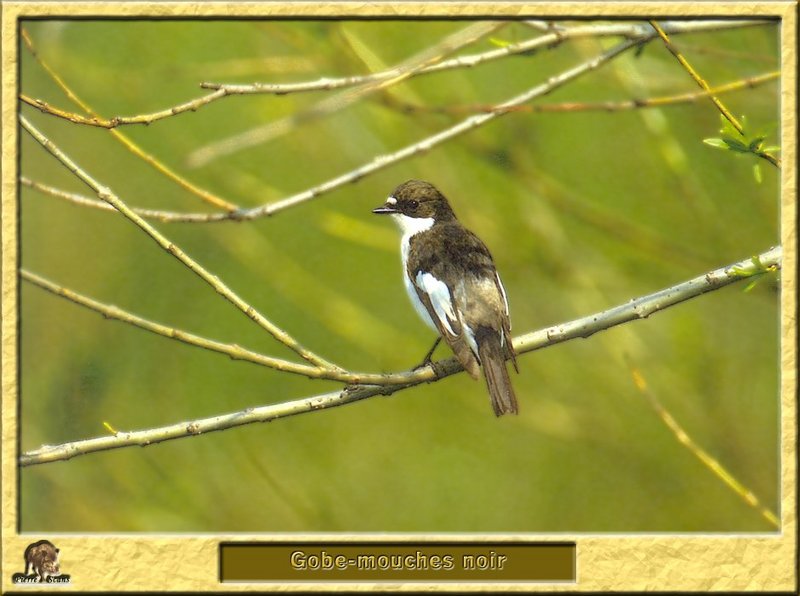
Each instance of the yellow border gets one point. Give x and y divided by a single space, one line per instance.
605 562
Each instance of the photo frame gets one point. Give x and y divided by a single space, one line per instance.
193 560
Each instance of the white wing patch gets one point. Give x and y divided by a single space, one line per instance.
473 345
505 303
440 298
502 290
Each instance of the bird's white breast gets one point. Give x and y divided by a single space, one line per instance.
411 226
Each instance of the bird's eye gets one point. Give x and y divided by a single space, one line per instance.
413 204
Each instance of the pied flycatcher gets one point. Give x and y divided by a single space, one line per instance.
454 286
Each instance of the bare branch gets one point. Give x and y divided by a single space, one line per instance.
383 161
262 134
644 32
705 86
382 79
84 201
109 197
554 35
600 106
639 308
606 106
189 106
685 439
113 312
469 124
95 119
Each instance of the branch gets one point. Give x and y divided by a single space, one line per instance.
554 36
599 106
701 454
113 312
84 201
382 161
704 85
100 122
383 79
636 309
429 56
203 194
606 106
106 195
637 33
696 76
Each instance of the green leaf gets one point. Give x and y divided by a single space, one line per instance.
755 144
736 145
500 43
715 142
751 285
757 172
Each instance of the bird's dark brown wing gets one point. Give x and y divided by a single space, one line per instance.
438 301
506 320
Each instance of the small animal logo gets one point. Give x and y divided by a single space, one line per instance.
41 558
41 565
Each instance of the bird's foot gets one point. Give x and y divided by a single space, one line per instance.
427 360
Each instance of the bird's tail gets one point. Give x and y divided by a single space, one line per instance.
493 361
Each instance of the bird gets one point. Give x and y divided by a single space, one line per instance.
454 286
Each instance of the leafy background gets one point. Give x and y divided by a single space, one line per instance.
582 211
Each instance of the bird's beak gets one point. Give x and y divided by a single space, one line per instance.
384 209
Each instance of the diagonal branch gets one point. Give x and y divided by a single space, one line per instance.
106 195
382 161
234 351
268 132
605 106
696 76
598 106
550 39
639 308
705 87
553 36
637 34
203 194
685 439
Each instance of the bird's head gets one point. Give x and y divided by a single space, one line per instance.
416 204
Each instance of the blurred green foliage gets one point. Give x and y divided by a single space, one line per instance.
582 210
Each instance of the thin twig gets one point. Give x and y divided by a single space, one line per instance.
636 309
100 122
704 85
696 76
84 201
262 134
600 106
554 34
106 195
469 124
115 313
383 161
174 216
701 454
96 120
